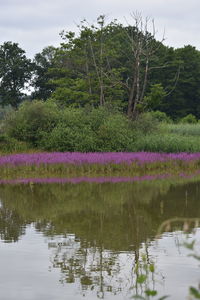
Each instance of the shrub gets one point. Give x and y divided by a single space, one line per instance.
8 144
96 117
160 116
73 132
92 130
145 123
190 119
66 138
72 117
30 119
115 134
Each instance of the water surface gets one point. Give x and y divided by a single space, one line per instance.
76 241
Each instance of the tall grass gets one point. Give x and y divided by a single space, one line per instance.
168 142
182 129
171 138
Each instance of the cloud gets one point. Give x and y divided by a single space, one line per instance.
35 24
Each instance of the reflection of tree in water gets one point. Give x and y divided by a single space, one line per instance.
12 225
94 268
89 226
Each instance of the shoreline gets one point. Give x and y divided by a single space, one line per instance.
97 165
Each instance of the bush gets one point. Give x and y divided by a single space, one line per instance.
146 124
30 119
65 138
160 116
189 119
72 133
115 134
42 124
96 117
95 130
9 145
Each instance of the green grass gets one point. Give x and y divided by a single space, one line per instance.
99 170
168 142
171 138
182 129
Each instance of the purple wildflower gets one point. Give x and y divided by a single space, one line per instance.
78 158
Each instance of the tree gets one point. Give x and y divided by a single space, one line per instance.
116 62
185 99
141 49
153 99
86 64
15 73
43 62
107 63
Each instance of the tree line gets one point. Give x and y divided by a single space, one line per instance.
106 63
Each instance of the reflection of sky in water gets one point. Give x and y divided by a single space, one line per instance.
30 268
85 238
179 270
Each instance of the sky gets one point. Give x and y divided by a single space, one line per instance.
35 24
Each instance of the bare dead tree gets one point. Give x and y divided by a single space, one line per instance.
98 63
141 39
134 59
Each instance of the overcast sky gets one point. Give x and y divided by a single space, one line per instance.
35 24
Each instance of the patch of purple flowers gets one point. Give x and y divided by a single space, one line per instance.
78 158
83 179
109 179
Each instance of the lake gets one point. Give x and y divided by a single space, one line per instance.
84 241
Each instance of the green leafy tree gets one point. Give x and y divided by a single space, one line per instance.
43 62
108 63
111 63
87 68
189 119
185 98
153 99
15 73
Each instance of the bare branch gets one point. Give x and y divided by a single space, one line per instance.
176 81
166 65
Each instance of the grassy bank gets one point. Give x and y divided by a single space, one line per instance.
76 164
42 126
171 138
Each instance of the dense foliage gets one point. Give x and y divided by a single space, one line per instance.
107 88
15 73
106 63
44 126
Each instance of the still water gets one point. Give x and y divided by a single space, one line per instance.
83 241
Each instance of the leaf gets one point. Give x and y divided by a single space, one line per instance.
195 256
189 246
194 292
144 258
151 268
141 279
163 297
151 293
